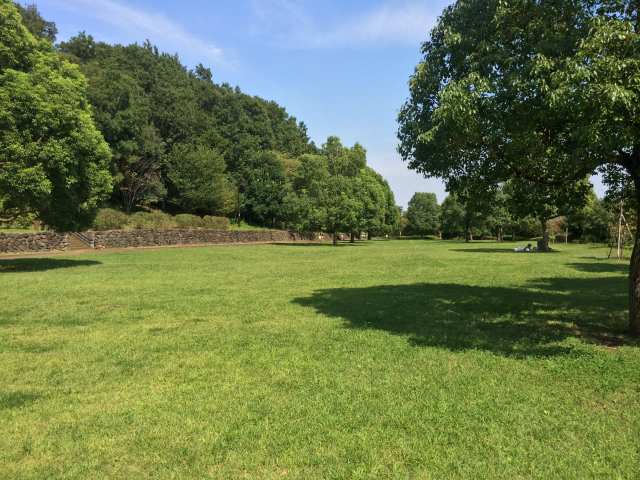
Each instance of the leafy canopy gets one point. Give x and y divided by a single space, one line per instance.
53 160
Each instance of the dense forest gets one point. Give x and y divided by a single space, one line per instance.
184 144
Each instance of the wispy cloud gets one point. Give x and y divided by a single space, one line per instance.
143 24
397 23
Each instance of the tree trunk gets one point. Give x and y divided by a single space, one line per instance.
634 275
499 234
335 238
353 237
468 236
543 245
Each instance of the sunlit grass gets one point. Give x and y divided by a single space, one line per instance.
398 359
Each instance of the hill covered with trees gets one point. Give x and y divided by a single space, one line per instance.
182 143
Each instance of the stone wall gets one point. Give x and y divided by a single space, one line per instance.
32 242
153 238
49 241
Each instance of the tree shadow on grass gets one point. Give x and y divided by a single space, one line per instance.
10 400
320 244
41 264
514 322
603 267
483 250
497 250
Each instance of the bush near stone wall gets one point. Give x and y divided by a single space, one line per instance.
111 219
32 242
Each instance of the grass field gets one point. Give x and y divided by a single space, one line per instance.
401 359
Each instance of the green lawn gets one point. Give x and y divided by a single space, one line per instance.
399 359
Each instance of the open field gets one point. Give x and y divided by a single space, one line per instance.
402 359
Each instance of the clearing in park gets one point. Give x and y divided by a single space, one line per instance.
403 359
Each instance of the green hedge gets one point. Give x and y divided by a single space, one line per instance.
215 223
155 220
186 220
111 219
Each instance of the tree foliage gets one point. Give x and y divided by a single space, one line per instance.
37 25
179 142
147 103
423 214
53 161
543 92
452 219
198 182
592 222
337 192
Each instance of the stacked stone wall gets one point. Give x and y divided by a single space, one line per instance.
50 241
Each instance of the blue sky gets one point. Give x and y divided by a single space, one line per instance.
340 66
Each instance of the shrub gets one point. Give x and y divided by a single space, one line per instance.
155 220
216 223
110 219
186 220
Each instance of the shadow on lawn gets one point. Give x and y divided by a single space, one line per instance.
483 250
601 267
12 400
41 264
516 322
321 244
497 250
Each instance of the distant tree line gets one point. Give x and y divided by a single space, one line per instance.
509 216
159 136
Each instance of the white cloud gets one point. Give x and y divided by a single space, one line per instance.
143 25
287 21
404 24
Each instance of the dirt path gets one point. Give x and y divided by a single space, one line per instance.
56 253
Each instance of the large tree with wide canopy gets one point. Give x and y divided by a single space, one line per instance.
547 92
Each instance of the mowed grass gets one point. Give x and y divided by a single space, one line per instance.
399 359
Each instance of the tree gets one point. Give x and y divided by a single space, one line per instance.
340 204
452 219
304 205
198 181
143 98
591 223
53 161
423 214
342 160
335 191
139 170
381 215
500 218
544 202
37 25
542 91
477 199
264 187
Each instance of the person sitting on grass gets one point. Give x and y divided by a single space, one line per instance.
526 249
